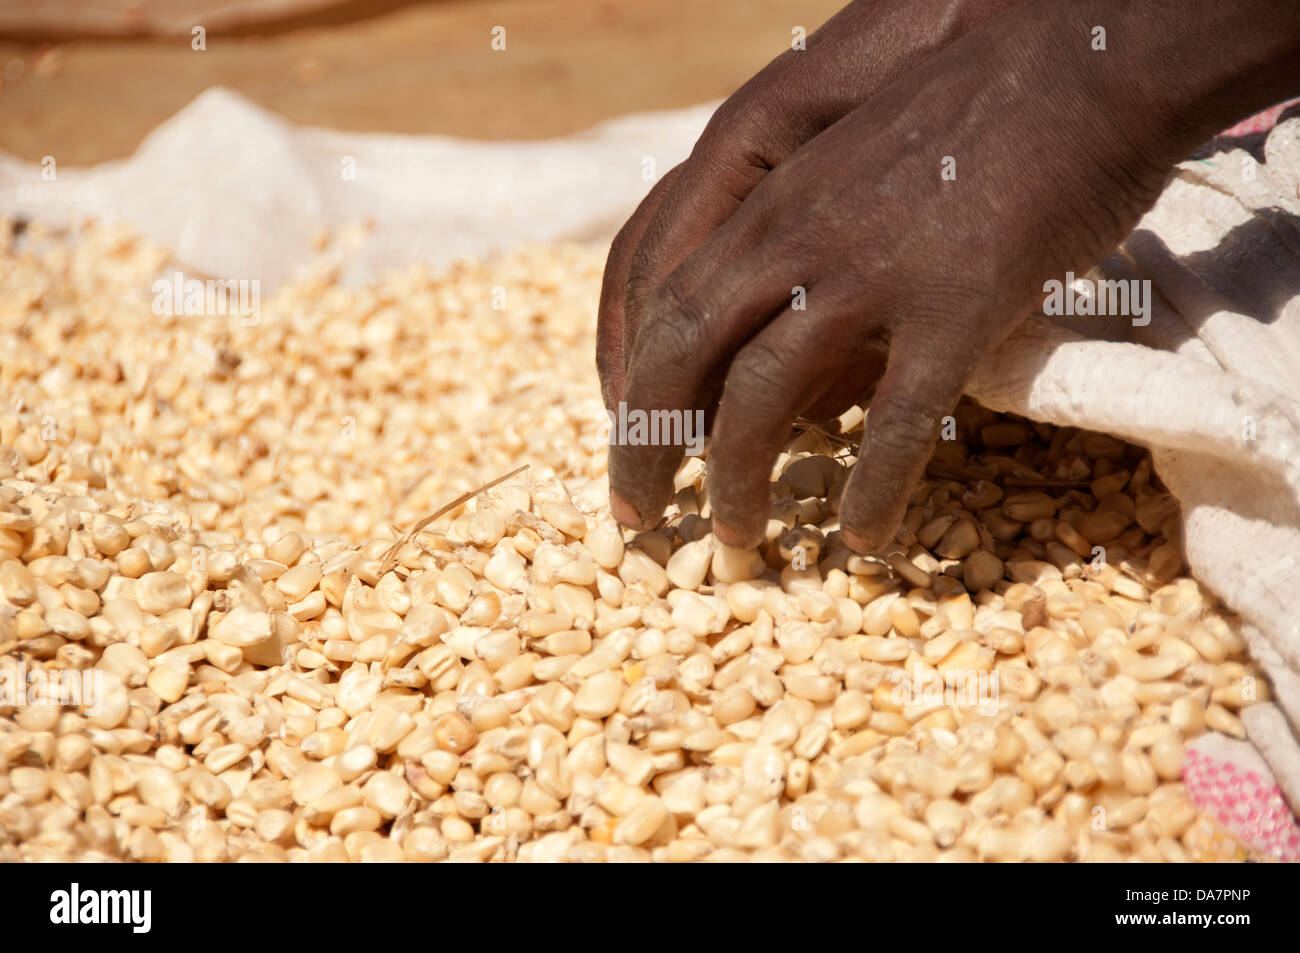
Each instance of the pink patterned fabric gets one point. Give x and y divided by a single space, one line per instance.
1260 122
1246 803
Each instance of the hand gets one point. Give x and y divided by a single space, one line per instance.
856 53
909 277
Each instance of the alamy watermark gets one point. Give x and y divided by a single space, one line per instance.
1083 296
21 687
657 428
76 906
964 688
177 295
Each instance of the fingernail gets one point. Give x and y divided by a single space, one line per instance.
624 511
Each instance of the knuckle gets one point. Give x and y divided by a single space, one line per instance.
737 146
902 425
676 315
756 378
645 282
731 129
668 345
637 288
673 336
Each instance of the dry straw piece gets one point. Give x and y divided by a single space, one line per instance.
194 526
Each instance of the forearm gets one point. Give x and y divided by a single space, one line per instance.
1106 125
1176 72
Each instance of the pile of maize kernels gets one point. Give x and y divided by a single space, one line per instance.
213 529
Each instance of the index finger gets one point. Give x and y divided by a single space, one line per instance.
611 361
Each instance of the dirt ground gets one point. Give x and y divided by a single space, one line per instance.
424 68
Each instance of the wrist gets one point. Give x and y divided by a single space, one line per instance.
1174 74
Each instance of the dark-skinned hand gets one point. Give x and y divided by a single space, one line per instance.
827 175
856 53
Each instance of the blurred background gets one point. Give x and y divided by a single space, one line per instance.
86 80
